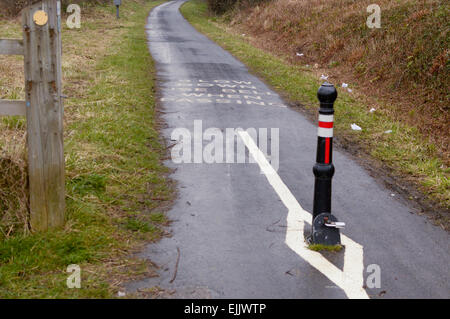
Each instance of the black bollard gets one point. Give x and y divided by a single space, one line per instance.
118 3
325 227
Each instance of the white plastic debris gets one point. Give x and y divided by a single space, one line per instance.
324 77
344 85
356 127
372 110
121 294
300 54
388 131
243 34
349 90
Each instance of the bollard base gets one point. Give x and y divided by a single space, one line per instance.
325 235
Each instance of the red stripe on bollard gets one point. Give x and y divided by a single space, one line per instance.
327 150
326 124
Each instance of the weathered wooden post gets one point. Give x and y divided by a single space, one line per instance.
41 23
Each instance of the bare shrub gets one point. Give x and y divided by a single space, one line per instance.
14 216
406 61
222 6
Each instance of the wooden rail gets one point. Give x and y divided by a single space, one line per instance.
11 46
12 107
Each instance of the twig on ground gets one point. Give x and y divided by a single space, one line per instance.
176 266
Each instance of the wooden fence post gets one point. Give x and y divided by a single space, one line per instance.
41 24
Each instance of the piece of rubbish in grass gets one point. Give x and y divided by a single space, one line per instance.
344 85
372 110
349 90
243 34
300 54
388 131
121 294
324 77
356 127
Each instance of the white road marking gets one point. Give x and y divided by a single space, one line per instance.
350 280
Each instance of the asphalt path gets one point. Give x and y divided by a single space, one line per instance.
237 229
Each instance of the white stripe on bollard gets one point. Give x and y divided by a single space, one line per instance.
326 118
325 125
325 132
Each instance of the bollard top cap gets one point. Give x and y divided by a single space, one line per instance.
327 93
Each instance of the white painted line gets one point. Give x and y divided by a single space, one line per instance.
350 280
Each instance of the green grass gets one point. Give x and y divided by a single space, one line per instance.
407 154
115 179
320 247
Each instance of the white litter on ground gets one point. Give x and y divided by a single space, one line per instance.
356 127
121 294
344 85
372 110
324 77
300 54
388 131
349 90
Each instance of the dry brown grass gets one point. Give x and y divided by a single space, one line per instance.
404 64
13 183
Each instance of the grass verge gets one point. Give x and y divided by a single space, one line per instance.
395 149
116 184
320 247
